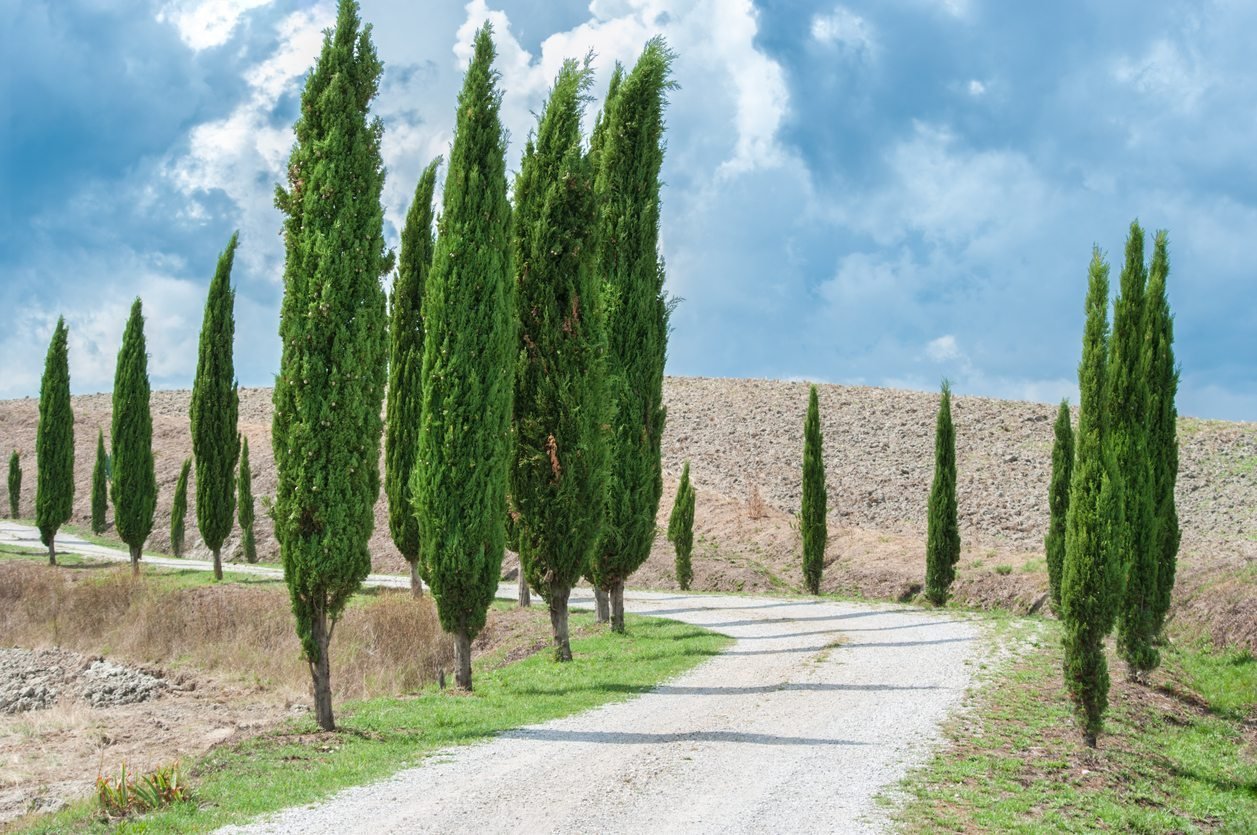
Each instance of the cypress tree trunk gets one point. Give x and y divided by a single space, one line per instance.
813 511
100 495
558 623
942 547
321 671
1058 502
54 443
136 554
15 485
462 659
617 606
602 605
134 486
179 509
525 595
416 582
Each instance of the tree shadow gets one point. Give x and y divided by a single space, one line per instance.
848 645
638 738
770 621
731 608
750 690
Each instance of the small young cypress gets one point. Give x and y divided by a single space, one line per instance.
179 510
942 544
405 367
681 528
100 492
1058 502
15 484
244 505
134 487
54 443
813 513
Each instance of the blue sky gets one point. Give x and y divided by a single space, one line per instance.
884 192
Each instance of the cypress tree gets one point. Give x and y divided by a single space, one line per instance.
627 189
214 410
813 513
942 544
1091 576
1162 376
15 484
134 486
244 505
459 480
681 528
558 483
54 443
405 364
1058 502
100 493
179 510
330 389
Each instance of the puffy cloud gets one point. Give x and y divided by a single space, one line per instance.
206 23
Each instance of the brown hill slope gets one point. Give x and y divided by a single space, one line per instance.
744 441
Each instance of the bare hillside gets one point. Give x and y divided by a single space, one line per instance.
744 441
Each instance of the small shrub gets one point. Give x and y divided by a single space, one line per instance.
1003 570
756 507
130 793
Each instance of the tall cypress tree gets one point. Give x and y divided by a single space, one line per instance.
100 492
942 544
1162 375
244 505
214 411
1058 502
459 480
681 528
330 388
54 443
1091 576
134 487
813 513
15 484
558 483
179 511
405 367
627 189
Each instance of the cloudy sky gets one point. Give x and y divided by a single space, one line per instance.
877 191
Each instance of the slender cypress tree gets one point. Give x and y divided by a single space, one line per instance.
459 481
942 545
330 389
1058 502
214 411
681 528
54 443
814 511
1162 376
1091 576
627 189
179 510
15 484
100 493
244 505
134 487
405 364
558 483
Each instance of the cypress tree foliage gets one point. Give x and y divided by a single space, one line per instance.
134 486
54 443
942 545
465 447
214 411
813 513
1058 502
244 505
626 185
100 493
15 484
1091 577
558 483
333 325
681 528
1162 375
179 509
405 366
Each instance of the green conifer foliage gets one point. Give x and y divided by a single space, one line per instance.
814 511
1058 502
405 367
333 327
244 505
1091 576
15 484
134 486
179 510
558 483
681 528
214 411
54 443
465 447
100 492
629 157
942 545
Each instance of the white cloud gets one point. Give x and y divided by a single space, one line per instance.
1175 77
206 23
976 88
944 349
844 28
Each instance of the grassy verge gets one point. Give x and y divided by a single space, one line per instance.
297 764
1178 756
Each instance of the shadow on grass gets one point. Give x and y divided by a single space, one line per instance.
753 690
